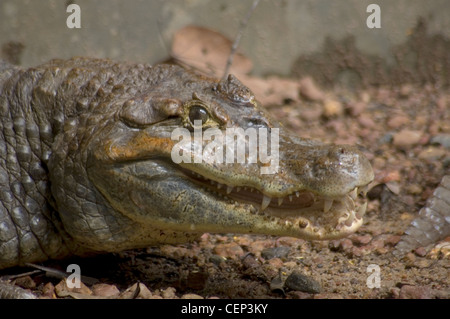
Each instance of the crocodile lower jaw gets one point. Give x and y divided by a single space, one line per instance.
318 217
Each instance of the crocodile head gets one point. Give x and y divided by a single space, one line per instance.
308 189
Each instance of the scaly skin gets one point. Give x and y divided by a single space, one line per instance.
86 164
433 222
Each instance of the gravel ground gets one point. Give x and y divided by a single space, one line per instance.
405 132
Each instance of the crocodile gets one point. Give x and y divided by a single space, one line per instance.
86 164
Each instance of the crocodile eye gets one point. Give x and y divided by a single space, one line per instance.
198 113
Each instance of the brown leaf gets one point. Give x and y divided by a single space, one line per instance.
207 51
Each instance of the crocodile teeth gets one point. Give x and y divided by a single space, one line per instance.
297 194
280 201
229 189
290 198
363 190
327 205
354 193
361 211
350 219
265 202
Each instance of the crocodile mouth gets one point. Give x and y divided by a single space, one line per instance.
317 216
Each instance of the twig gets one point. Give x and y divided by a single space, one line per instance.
238 37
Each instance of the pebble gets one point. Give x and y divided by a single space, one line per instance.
432 153
228 250
311 114
415 292
397 121
309 90
144 292
298 281
48 291
299 295
405 90
356 108
414 189
276 263
392 240
366 121
176 251
277 283
25 282
191 296
406 138
62 290
217 260
105 290
275 252
361 239
258 246
169 293
442 139
332 108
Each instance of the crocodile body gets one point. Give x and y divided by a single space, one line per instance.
433 222
86 166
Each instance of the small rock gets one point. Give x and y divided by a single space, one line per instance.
414 189
432 153
407 138
366 121
392 240
442 139
276 263
332 108
25 282
361 239
299 295
364 96
105 290
346 244
191 296
176 251
62 290
256 247
48 291
229 250
397 121
309 90
356 108
328 295
420 251
290 241
217 260
415 292
143 293
298 281
275 252
311 114
386 138
290 265
168 293
277 283
405 90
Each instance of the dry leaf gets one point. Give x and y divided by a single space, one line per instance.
207 51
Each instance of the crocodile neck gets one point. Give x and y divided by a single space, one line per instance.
30 227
